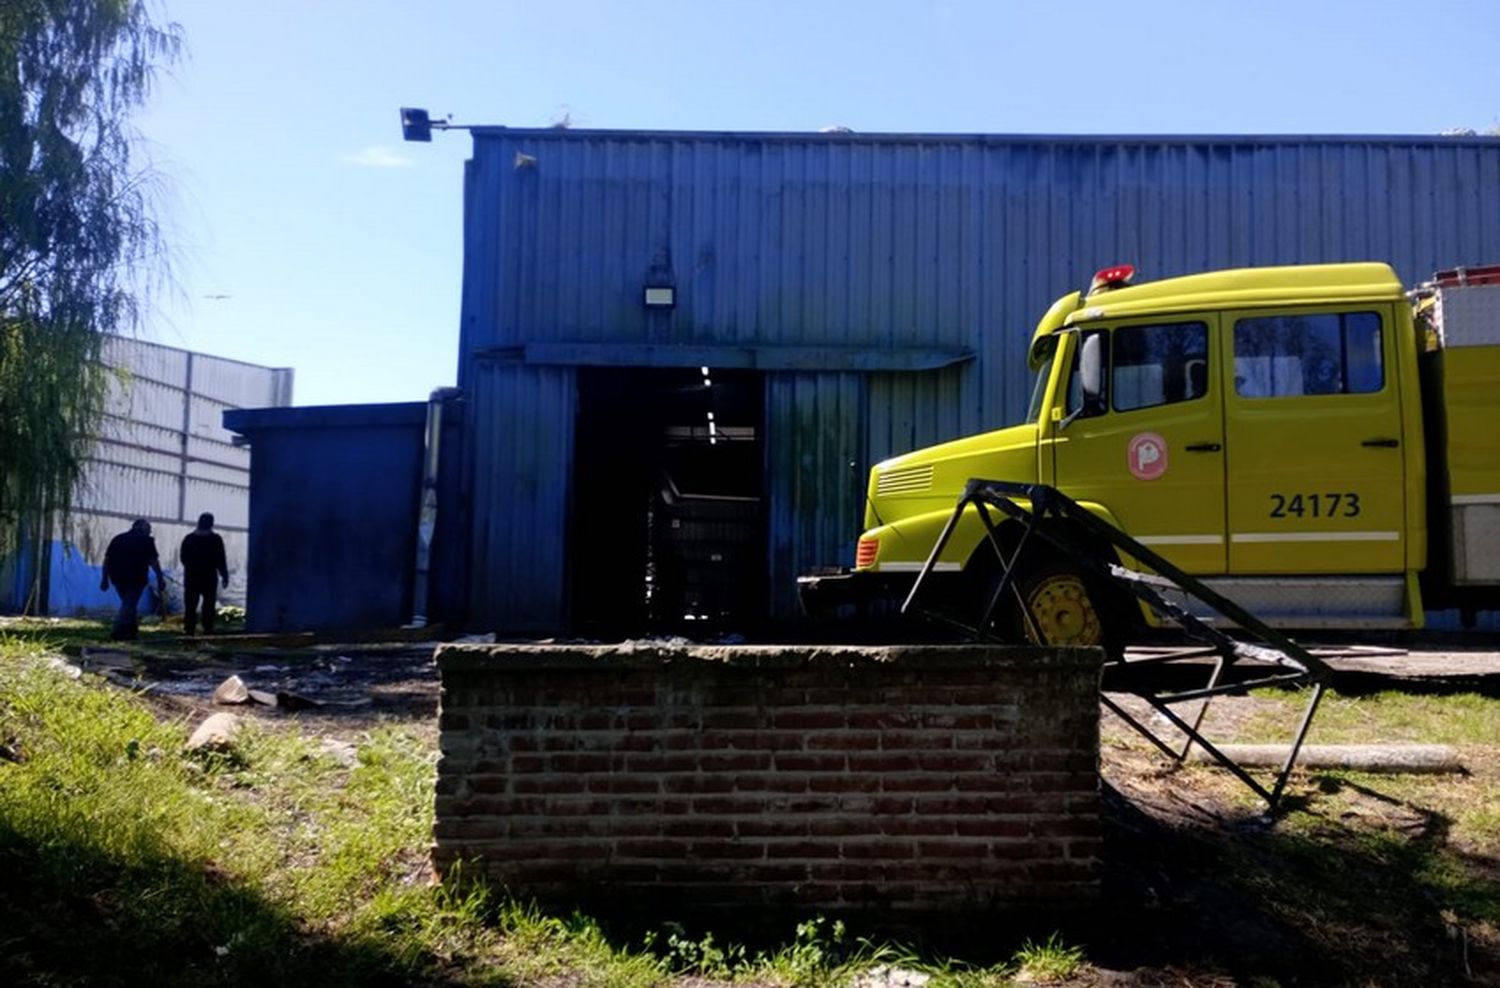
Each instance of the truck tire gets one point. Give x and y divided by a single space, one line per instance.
1066 610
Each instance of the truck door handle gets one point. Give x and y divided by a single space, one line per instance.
1382 443
1203 448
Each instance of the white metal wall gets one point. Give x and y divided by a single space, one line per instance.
164 455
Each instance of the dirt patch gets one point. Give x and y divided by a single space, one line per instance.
328 691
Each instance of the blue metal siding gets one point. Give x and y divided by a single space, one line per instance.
522 461
815 484
333 511
887 241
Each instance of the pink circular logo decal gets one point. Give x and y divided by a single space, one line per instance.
1147 456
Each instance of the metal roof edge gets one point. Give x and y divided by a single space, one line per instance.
248 420
959 137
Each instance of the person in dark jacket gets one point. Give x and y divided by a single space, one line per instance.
127 564
203 566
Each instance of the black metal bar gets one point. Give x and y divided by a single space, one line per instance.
1291 757
1224 760
1235 688
1076 533
1213 681
1140 728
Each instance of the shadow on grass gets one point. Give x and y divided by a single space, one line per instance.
70 914
1326 901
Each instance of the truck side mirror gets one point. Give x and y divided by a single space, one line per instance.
1091 374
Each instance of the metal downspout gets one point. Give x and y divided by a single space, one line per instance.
428 507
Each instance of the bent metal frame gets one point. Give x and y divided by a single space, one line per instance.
1047 515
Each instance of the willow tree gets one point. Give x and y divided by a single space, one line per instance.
79 245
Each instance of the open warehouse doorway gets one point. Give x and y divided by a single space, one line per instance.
668 529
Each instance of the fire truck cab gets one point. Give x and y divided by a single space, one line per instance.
1314 441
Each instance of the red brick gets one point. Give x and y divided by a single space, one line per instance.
489 783
775 874
1066 827
659 849
954 761
915 741
959 721
771 827
881 849
843 783
883 720
726 850
738 761
808 720
1025 802
993 827
891 804
1062 781
884 761
953 849
1023 850
915 826
549 784
623 784
727 806
698 783
845 826
916 783
988 782
790 761
655 763
844 741
731 719
691 827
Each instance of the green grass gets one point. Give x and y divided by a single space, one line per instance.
1461 719
1048 961
128 860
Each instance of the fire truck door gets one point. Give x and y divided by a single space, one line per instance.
1152 453
1312 442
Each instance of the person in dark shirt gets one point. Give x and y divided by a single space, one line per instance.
127 564
203 566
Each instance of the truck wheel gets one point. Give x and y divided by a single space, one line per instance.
1065 611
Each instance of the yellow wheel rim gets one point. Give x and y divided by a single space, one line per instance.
1063 612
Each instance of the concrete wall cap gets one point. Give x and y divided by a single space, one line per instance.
645 655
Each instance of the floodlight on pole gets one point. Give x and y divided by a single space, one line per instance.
417 124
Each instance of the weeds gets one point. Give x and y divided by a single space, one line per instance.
1048 961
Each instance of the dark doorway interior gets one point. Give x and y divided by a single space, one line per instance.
668 523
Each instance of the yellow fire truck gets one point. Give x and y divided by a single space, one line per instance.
1315 443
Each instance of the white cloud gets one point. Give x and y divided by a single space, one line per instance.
377 156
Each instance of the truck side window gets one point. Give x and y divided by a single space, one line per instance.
1326 353
1159 365
1075 389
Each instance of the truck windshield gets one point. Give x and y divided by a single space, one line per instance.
1039 387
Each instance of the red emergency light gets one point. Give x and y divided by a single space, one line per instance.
1113 277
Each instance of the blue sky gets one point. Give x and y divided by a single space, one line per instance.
306 234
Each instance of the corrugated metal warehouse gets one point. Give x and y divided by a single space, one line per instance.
163 455
831 299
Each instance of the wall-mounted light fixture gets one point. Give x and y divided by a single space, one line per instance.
660 296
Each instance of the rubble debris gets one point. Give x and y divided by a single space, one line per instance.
343 752
66 668
216 733
232 692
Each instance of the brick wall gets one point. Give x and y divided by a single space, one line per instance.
833 779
